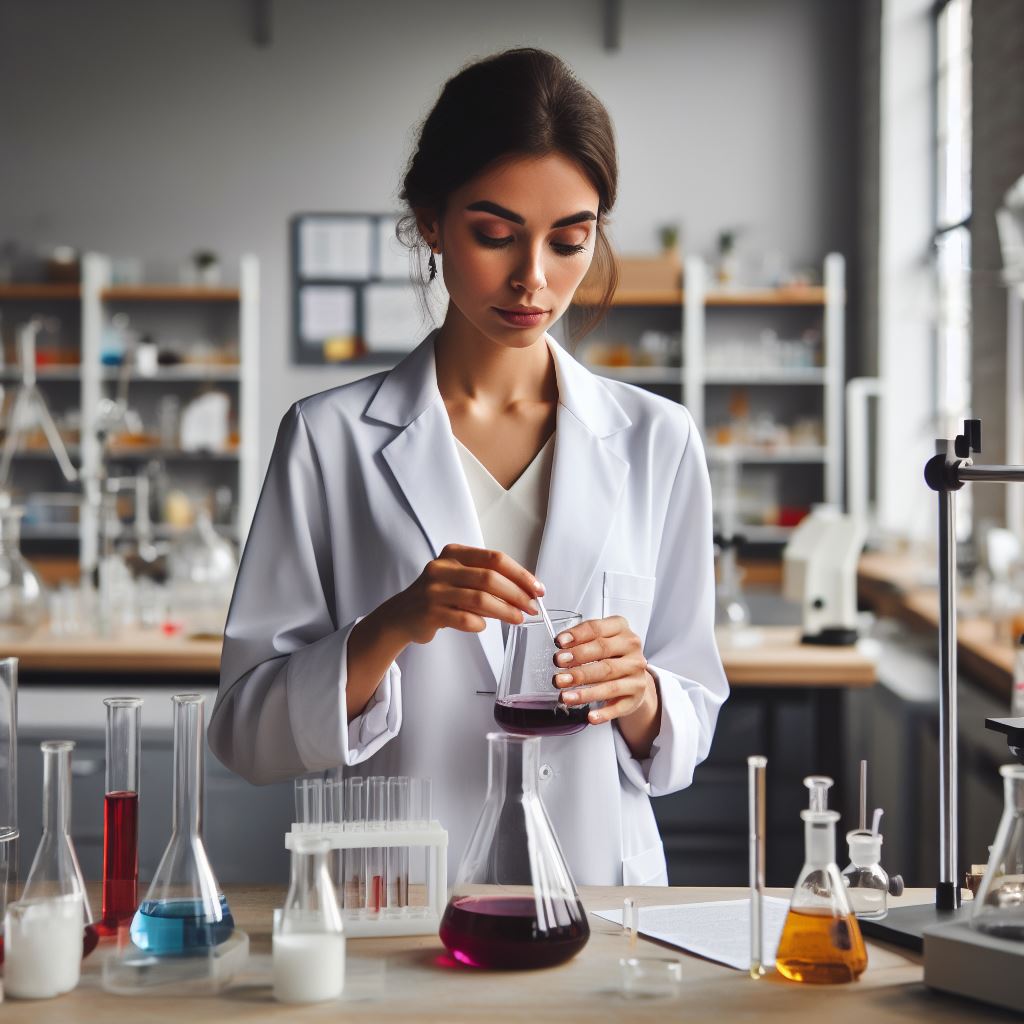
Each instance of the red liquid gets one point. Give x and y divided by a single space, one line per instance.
120 860
502 932
376 898
534 716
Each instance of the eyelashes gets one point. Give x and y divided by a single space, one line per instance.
501 243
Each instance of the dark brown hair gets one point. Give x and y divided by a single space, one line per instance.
521 102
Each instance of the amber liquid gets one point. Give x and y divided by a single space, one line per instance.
819 948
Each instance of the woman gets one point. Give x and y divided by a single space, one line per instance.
406 517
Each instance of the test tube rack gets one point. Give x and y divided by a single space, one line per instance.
389 921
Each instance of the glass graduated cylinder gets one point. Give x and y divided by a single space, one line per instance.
184 910
527 702
514 903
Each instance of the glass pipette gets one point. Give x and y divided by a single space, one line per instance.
547 619
756 800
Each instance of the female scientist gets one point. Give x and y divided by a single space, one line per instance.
407 516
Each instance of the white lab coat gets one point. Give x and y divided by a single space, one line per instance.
364 487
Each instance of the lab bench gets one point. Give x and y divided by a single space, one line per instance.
412 979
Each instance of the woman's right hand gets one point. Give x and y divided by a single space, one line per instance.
462 589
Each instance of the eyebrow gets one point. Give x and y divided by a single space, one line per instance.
484 206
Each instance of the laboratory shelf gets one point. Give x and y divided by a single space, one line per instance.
169 374
765 534
769 456
809 295
71 372
168 293
813 375
641 374
176 454
39 292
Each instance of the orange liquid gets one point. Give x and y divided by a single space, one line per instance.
821 949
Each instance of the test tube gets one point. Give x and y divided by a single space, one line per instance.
756 766
334 821
8 780
630 920
398 856
422 858
354 891
376 820
121 812
309 803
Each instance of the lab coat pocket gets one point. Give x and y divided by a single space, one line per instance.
631 597
647 868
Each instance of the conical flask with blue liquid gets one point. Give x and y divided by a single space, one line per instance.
184 911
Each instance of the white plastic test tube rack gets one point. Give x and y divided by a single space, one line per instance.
319 803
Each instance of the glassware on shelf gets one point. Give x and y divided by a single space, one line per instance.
8 781
309 940
184 910
48 930
527 702
201 567
23 598
999 906
514 903
121 813
821 941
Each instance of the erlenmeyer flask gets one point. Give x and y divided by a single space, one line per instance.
999 906
514 903
308 942
44 942
184 910
22 596
527 702
821 940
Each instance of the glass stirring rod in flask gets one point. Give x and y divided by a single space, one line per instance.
121 813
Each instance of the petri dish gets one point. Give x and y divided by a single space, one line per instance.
650 977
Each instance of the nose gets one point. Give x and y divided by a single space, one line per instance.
529 275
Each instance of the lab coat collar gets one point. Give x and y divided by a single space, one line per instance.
587 476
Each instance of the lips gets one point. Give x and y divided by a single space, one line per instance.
522 316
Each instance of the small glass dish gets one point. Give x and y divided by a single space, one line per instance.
650 977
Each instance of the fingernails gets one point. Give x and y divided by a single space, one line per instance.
534 610
564 677
539 587
564 638
571 697
594 717
565 658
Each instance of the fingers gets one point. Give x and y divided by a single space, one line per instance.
592 629
604 673
617 646
479 602
491 582
498 562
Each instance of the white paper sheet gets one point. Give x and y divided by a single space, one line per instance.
393 317
326 311
393 261
718 931
336 247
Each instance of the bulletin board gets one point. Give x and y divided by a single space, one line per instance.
352 292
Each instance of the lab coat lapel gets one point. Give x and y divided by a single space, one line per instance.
425 464
587 481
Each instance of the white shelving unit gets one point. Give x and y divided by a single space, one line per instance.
695 380
97 300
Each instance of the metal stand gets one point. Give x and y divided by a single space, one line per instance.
946 472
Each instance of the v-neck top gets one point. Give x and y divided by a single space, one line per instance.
511 519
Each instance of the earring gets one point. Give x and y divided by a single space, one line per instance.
432 266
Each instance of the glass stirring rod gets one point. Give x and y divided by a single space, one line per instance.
756 800
547 619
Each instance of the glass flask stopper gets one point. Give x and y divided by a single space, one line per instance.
527 702
48 931
309 940
999 906
184 910
121 813
514 903
821 941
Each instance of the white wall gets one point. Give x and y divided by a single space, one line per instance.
151 128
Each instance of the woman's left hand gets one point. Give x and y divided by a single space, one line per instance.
603 660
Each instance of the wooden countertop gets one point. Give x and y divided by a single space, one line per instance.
906 588
779 660
409 979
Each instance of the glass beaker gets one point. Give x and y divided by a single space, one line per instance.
821 941
309 940
22 596
514 903
121 813
8 780
184 910
999 906
527 702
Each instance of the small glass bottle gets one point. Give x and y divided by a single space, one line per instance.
514 904
867 882
821 941
121 813
309 940
22 596
999 906
184 910
48 931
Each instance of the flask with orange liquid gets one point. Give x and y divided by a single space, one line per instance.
821 941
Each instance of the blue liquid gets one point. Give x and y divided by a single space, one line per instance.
169 927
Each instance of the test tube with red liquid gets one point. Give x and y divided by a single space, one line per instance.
376 856
121 813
